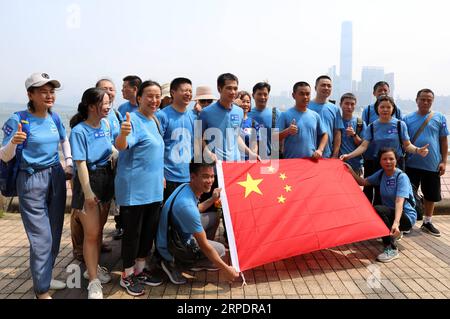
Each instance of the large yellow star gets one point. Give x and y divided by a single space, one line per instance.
281 199
251 185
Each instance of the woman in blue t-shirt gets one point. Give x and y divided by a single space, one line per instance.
41 180
397 200
93 185
249 127
139 186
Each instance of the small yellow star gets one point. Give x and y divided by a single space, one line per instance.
281 199
271 169
288 188
283 176
251 185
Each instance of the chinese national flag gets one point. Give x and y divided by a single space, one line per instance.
297 206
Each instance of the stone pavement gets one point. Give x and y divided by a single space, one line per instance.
350 271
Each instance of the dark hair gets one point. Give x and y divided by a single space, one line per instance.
424 91
348 96
384 150
176 83
300 84
145 85
322 77
133 80
97 85
92 96
194 167
241 94
383 98
378 84
223 78
30 104
261 86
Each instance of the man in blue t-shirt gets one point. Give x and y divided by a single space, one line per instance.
177 130
131 84
427 171
300 128
352 131
330 115
185 218
266 117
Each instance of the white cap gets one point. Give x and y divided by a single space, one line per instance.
40 79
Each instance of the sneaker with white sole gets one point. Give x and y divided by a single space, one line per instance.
149 279
388 255
102 274
430 229
132 285
57 284
174 275
95 289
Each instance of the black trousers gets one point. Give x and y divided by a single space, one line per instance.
140 224
372 192
388 216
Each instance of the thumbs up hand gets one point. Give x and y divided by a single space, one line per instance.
20 136
125 128
423 151
293 129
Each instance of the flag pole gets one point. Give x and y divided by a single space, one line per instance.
227 217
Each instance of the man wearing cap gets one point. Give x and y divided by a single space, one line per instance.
41 180
203 97
131 84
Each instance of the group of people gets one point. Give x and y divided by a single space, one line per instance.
149 159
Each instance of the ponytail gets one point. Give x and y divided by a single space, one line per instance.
92 96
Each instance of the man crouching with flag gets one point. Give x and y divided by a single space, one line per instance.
181 239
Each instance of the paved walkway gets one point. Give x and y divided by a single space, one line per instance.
422 271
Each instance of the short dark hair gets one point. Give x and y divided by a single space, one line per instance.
241 94
194 167
384 150
383 98
261 86
145 85
322 77
177 82
348 96
133 80
424 91
223 78
299 84
380 83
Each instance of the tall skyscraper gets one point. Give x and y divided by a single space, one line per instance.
346 57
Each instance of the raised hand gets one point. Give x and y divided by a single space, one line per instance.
20 136
125 128
293 128
423 151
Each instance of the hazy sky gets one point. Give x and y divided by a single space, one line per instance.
282 41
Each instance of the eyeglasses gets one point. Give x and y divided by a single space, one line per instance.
205 101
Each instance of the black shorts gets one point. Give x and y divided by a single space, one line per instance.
102 184
430 183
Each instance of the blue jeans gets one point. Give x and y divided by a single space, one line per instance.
42 202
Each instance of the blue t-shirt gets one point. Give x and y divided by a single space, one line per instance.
332 120
249 131
386 135
389 191
92 145
369 116
114 123
228 122
41 150
264 118
127 107
185 215
348 144
310 130
140 168
177 130
435 129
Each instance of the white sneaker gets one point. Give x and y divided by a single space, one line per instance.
102 274
57 284
95 289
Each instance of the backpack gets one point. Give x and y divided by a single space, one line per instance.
416 201
9 170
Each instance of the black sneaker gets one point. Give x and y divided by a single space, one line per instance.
149 279
132 285
174 275
118 234
430 229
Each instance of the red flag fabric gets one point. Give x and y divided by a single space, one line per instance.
297 206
